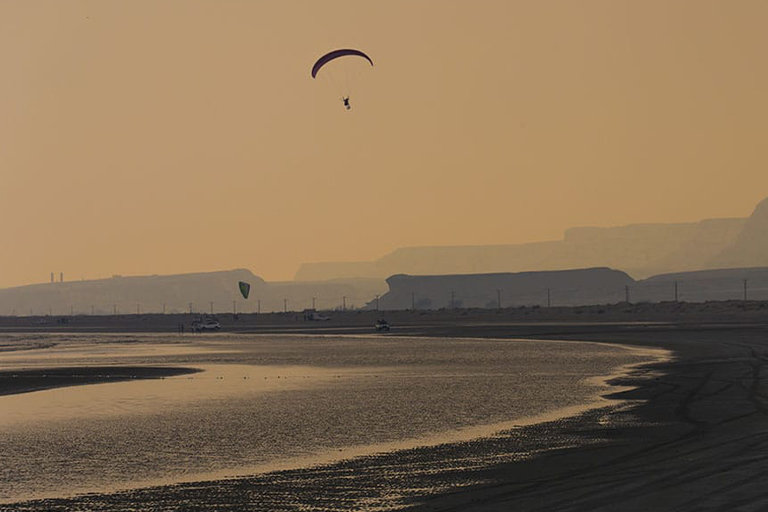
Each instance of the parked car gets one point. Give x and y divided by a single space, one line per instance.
206 323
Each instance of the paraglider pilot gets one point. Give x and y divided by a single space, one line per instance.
345 99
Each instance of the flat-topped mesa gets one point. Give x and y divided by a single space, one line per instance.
579 287
567 287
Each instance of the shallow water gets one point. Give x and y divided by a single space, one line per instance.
266 402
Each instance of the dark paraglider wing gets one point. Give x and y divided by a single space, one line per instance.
335 54
245 288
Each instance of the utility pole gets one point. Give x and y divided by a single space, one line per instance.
313 302
234 307
626 293
285 305
549 299
745 289
675 291
413 301
258 306
377 302
453 299
344 303
211 308
498 298
190 308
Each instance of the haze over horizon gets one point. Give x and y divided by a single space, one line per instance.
155 138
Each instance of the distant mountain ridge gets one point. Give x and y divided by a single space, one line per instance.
178 293
218 291
678 256
578 287
750 248
640 249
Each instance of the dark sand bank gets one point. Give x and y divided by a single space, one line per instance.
28 380
696 439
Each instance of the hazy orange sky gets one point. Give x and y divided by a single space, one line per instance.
141 137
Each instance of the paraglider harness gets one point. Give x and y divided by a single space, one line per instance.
345 99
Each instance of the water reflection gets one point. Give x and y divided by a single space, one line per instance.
264 402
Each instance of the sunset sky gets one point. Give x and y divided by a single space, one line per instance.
156 137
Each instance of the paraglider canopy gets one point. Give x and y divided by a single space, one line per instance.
335 54
341 68
245 288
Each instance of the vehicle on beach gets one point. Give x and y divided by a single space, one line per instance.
310 315
205 323
382 326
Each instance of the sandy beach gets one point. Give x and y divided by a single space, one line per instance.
690 435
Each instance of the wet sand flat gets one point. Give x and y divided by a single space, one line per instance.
692 437
248 413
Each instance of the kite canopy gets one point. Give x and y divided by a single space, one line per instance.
335 54
245 288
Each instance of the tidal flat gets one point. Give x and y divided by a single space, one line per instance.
268 404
